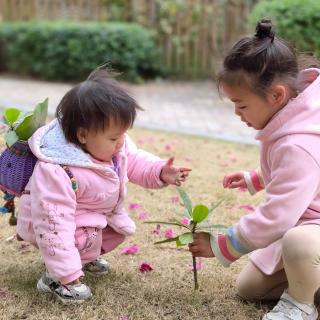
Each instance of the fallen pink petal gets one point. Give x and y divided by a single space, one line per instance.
175 199
124 318
156 230
133 249
199 265
143 216
247 207
185 221
145 267
168 233
140 141
168 147
188 159
4 292
11 238
134 206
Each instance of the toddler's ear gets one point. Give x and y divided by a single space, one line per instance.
82 135
279 95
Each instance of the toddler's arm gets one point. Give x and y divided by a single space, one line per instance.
252 180
149 171
53 204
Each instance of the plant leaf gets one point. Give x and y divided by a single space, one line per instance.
215 206
200 213
168 223
10 115
186 238
167 240
186 201
11 138
27 125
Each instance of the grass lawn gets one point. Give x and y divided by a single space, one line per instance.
167 291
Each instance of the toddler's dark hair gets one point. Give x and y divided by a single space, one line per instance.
93 103
258 60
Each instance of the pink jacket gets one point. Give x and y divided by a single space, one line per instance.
290 165
50 214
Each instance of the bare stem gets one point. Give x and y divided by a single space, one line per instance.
194 264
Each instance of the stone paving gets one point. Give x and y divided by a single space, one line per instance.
186 107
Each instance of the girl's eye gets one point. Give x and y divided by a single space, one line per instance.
241 108
114 140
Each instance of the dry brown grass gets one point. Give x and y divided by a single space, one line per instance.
167 291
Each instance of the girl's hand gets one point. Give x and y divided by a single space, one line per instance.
201 247
173 175
234 180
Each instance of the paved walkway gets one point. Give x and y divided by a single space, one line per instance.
187 107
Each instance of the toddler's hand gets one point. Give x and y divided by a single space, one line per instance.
200 247
234 180
173 175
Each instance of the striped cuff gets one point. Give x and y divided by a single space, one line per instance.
253 182
227 248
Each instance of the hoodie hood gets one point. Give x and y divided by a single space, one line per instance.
301 115
49 144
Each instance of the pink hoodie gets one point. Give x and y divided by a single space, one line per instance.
290 165
50 214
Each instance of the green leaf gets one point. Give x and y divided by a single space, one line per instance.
27 125
167 240
10 115
11 138
200 213
186 238
186 201
216 205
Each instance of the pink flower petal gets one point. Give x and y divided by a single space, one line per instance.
168 233
175 199
145 267
188 159
133 206
4 292
11 238
199 265
247 207
143 215
156 230
133 249
168 147
185 221
124 318
140 141
233 159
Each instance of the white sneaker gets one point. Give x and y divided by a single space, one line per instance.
288 308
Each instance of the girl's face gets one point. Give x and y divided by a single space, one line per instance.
104 144
253 109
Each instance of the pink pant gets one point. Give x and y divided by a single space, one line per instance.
92 242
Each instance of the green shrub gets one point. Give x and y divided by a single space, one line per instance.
297 21
70 51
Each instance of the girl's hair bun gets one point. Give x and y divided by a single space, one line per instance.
264 29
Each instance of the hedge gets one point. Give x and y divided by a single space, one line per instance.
70 51
297 21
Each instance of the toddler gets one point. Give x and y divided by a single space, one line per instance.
72 207
260 76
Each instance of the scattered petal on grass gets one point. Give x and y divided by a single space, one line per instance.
168 233
188 159
134 206
175 199
140 141
151 140
133 249
4 292
247 207
145 267
143 215
124 318
168 147
156 230
243 189
233 159
11 238
199 265
185 221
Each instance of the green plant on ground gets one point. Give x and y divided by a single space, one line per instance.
198 216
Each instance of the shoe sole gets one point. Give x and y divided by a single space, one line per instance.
42 287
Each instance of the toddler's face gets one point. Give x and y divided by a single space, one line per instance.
103 145
252 109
